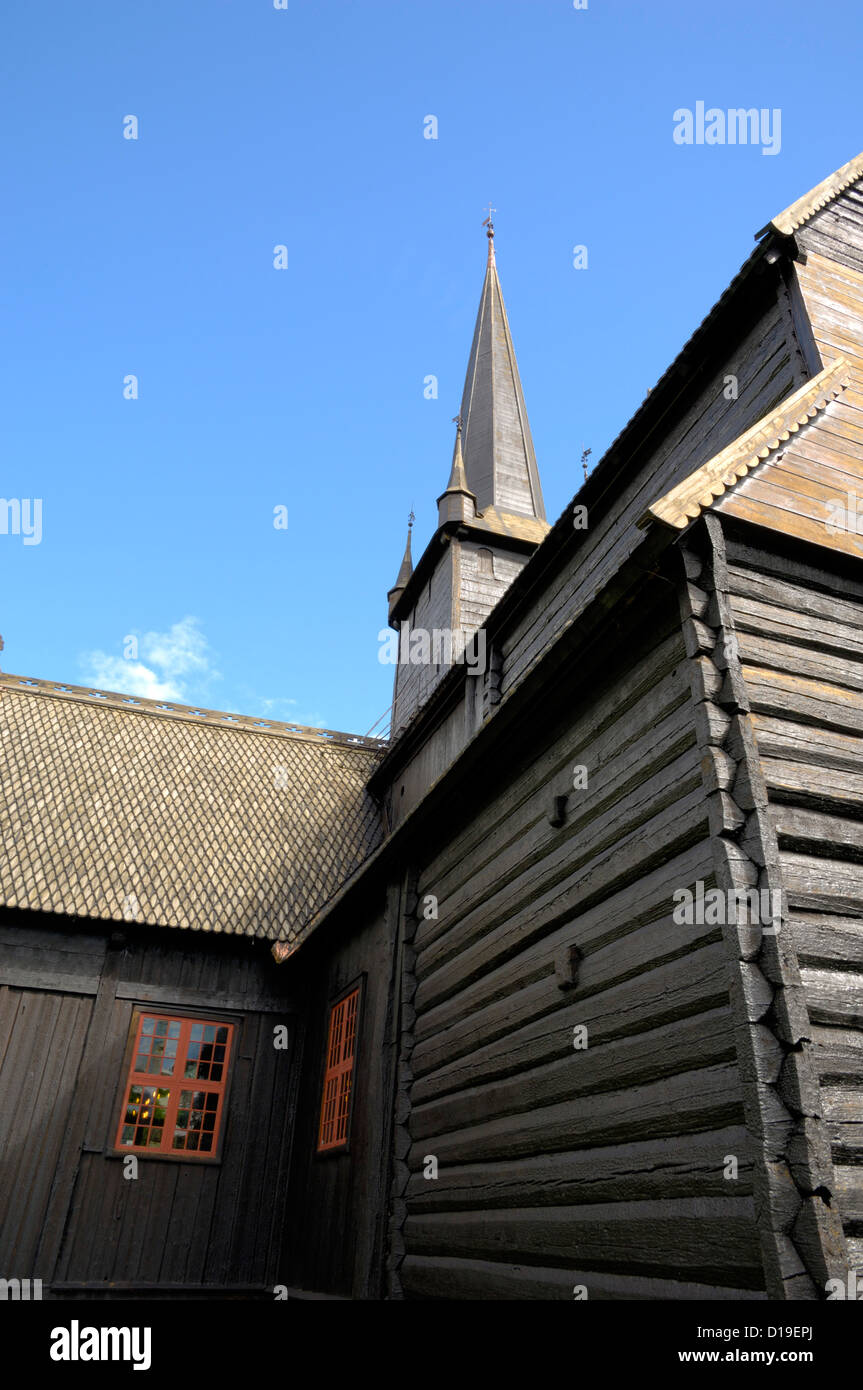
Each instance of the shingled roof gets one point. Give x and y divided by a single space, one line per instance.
118 808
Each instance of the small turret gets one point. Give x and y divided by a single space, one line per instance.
457 503
407 569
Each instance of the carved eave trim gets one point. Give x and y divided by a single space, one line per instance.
685 502
787 222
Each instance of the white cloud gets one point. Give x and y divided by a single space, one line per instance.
183 648
131 677
162 665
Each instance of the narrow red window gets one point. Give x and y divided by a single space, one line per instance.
341 1047
176 1086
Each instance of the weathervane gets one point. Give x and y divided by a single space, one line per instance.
456 419
488 222
585 455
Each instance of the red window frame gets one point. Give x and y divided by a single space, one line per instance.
337 1090
159 1107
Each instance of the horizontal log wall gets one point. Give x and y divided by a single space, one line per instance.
560 1167
800 632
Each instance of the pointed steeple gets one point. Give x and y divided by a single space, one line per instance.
499 460
405 572
490 516
457 503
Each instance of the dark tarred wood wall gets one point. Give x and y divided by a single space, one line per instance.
798 616
558 1167
67 1214
337 1215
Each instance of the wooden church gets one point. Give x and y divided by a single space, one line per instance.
291 1011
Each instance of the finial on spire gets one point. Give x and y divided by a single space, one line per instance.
456 419
490 233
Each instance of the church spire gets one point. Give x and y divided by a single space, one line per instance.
490 515
405 572
499 460
457 503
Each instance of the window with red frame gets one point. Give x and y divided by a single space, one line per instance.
176 1086
338 1077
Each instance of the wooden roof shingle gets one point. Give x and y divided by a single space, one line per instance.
118 808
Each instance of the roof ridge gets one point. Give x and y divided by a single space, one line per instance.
705 484
193 714
791 218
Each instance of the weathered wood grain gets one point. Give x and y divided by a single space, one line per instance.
436 1277
699 1237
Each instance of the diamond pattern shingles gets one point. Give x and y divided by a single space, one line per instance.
173 817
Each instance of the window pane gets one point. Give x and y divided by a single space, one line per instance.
145 1112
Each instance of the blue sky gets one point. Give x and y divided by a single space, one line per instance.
303 388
